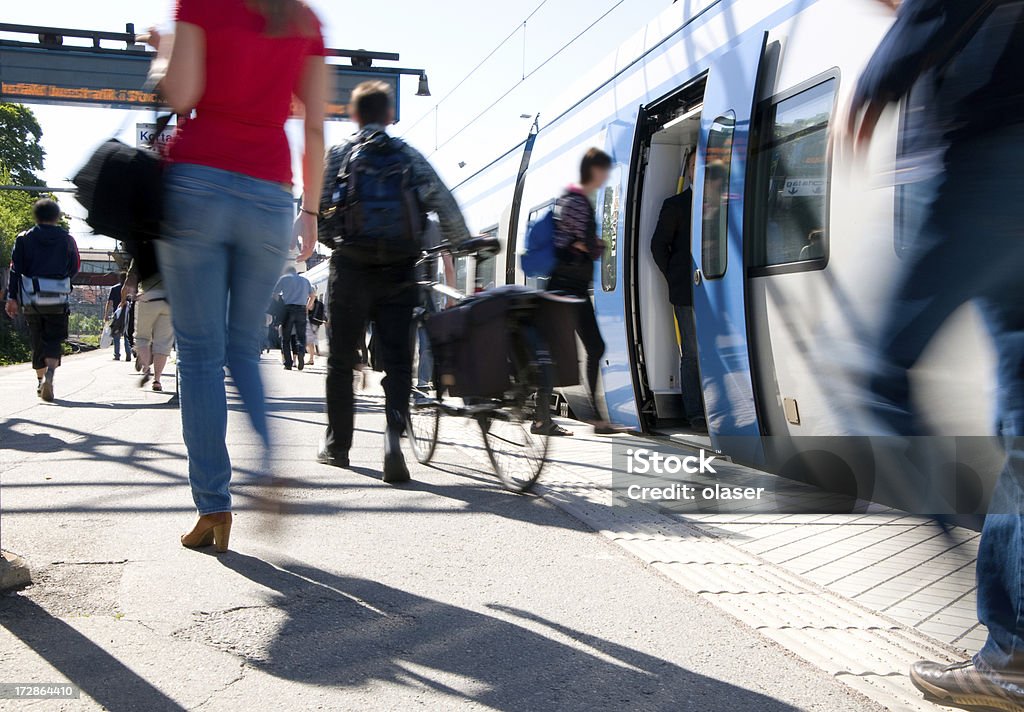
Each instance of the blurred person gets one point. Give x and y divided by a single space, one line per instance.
298 295
672 250
229 211
970 248
373 275
114 301
577 247
154 333
47 251
315 319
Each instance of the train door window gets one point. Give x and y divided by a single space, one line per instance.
485 273
611 209
792 182
717 167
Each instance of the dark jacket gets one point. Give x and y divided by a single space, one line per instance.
575 222
983 90
433 194
44 251
672 249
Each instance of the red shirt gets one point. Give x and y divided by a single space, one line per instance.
250 80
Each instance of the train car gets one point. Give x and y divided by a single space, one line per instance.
795 254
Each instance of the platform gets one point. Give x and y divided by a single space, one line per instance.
448 592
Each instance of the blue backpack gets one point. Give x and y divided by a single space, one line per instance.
381 219
540 258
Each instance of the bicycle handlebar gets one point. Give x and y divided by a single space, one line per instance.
480 246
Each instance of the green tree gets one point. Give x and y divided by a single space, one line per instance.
21 152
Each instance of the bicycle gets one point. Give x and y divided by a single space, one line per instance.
506 420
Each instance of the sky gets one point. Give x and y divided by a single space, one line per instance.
447 38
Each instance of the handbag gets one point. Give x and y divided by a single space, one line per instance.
121 188
45 292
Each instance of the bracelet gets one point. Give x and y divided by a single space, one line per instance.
307 211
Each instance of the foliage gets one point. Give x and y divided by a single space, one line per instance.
14 346
21 152
84 325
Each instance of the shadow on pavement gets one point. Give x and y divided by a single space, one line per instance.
351 632
99 674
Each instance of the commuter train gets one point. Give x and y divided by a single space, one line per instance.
794 259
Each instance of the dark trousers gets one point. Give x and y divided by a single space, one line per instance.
689 369
47 334
293 326
970 249
359 294
593 344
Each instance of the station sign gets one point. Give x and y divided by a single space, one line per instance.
145 136
116 79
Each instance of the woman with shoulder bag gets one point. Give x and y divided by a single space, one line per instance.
229 210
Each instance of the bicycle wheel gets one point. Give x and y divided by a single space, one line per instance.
517 455
424 400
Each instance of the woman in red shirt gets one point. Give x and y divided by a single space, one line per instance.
232 68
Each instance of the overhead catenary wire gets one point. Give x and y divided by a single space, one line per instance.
528 75
521 26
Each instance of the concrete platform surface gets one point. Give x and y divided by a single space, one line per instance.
447 593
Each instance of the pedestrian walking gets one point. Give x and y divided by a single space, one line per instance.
229 210
119 331
577 247
43 263
297 295
154 332
377 193
969 248
315 319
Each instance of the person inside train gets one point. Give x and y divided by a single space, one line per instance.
672 249
577 247
967 249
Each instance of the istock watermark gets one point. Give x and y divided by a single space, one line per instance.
642 461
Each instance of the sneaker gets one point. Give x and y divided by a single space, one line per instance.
550 429
964 685
46 387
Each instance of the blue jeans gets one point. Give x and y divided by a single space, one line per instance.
127 346
226 238
970 248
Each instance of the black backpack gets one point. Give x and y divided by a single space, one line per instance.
121 187
375 210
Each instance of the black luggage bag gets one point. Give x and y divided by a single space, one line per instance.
472 346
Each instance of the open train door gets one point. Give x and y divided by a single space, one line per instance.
719 298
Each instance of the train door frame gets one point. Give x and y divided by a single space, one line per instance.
652 118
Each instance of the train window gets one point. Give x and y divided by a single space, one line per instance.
792 179
486 266
717 167
611 209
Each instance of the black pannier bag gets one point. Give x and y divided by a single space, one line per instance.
121 187
472 344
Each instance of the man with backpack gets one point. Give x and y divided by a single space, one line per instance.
43 263
377 193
